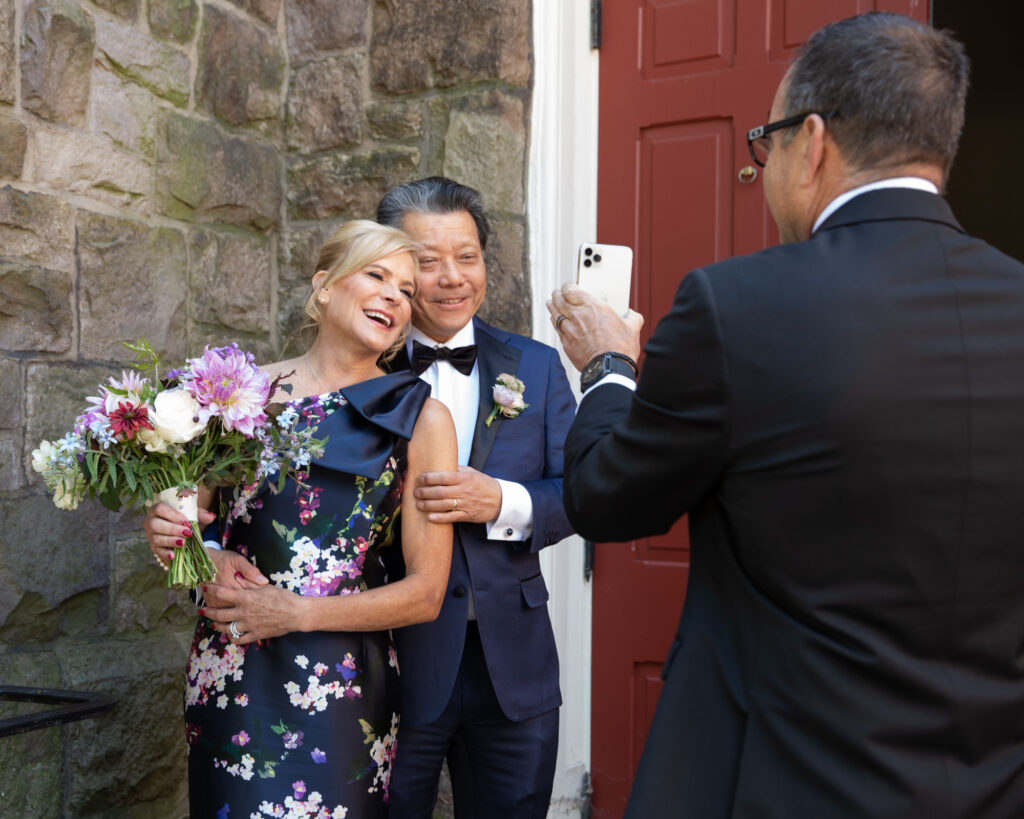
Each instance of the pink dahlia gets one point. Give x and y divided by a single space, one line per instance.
227 383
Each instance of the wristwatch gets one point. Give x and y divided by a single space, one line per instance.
606 364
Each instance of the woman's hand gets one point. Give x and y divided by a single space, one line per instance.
268 611
166 529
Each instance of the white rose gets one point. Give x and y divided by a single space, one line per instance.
173 416
153 440
42 455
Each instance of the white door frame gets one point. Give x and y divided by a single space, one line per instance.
562 212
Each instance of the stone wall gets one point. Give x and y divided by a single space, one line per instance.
168 169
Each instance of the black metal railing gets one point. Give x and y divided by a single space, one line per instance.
76 705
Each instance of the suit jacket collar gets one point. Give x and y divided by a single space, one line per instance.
892 204
493 357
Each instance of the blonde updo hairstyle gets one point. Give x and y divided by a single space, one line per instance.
352 247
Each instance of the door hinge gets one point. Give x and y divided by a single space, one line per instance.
595 23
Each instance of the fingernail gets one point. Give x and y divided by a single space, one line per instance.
186 532
202 612
238 574
204 589
179 542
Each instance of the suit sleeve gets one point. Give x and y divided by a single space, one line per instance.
550 523
637 462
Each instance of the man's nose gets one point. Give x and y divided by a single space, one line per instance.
451 275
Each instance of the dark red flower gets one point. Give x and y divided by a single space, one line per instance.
128 419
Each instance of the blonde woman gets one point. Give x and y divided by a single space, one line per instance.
291 688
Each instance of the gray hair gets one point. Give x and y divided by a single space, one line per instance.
899 88
435 194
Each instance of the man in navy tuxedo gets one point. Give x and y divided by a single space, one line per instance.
842 417
480 684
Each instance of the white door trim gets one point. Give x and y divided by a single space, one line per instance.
562 203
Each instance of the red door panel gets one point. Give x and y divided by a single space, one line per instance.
681 82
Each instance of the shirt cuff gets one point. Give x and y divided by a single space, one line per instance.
213 544
611 378
515 519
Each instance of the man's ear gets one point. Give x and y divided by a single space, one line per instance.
815 134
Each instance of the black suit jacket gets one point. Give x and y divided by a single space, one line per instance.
843 419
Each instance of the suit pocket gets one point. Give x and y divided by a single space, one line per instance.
535 591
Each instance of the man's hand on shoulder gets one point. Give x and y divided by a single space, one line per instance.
588 327
463 496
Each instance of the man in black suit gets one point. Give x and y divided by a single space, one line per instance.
842 417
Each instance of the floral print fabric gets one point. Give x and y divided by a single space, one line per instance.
303 725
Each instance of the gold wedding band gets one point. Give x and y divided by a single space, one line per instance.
455 504
558 323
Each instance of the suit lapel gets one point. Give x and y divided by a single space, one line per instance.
493 357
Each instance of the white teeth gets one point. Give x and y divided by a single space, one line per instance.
381 316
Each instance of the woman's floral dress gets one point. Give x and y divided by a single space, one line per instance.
305 725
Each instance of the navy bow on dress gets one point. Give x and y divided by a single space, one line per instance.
461 358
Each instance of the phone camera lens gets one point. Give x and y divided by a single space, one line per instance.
597 257
587 251
587 263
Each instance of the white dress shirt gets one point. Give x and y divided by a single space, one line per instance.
461 394
912 182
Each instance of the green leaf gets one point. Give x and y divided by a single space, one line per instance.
280 728
128 476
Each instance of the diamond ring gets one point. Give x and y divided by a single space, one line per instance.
235 633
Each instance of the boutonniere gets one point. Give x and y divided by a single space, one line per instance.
508 397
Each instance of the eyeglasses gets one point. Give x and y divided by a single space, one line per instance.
760 146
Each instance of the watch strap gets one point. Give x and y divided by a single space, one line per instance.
607 364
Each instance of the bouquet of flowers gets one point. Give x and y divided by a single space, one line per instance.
144 438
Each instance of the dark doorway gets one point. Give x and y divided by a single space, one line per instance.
987 183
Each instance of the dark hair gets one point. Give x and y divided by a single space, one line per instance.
435 194
899 88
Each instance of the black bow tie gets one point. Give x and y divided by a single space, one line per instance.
461 358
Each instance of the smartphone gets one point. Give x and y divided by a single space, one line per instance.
605 271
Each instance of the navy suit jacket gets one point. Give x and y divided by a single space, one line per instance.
509 590
843 419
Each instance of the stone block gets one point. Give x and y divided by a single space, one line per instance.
508 302
90 165
389 119
134 284
8 53
128 9
54 396
13 141
11 476
325 107
35 309
206 175
140 600
37 228
131 762
241 70
347 185
265 10
161 68
445 43
230 281
55 569
57 41
324 25
173 19
12 393
30 764
122 112
485 147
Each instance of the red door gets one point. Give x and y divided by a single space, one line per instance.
681 82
